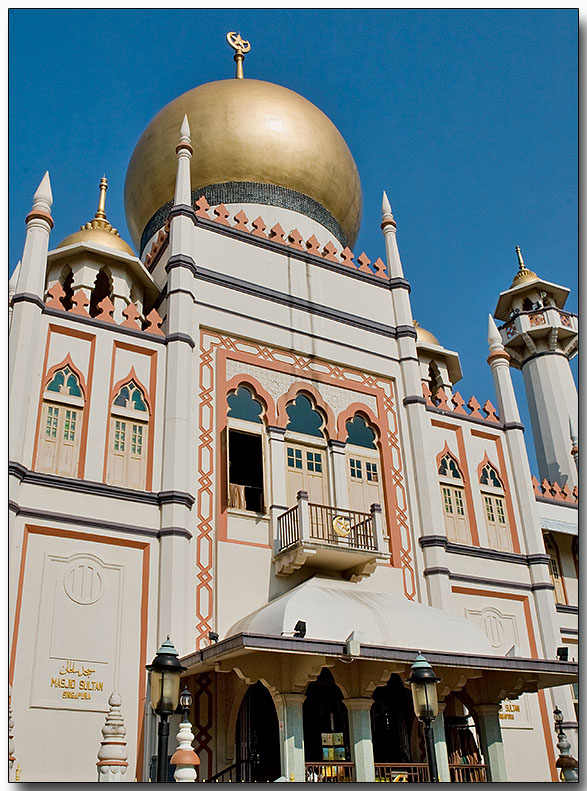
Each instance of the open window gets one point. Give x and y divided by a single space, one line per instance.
244 440
498 529
452 489
61 424
129 429
554 565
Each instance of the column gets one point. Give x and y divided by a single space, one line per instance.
491 741
291 728
278 504
339 473
359 710
440 746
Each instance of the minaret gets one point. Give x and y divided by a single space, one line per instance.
27 307
175 610
541 338
427 508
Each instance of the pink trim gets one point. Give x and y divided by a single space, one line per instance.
482 464
131 377
446 450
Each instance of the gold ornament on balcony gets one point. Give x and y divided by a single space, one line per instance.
341 526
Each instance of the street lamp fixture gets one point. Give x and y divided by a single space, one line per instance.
185 702
164 672
423 681
568 765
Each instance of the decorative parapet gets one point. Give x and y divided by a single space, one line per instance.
456 404
158 246
552 492
151 323
293 239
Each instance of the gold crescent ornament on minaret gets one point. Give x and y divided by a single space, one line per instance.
241 47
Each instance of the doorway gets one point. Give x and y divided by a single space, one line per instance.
257 737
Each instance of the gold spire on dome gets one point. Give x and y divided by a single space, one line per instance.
99 230
241 47
523 274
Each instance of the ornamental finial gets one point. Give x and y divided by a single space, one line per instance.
241 47
521 263
101 210
523 273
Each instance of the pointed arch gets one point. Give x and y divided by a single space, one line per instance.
66 362
487 465
131 377
305 388
101 289
244 380
446 451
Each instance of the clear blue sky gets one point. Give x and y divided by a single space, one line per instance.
467 118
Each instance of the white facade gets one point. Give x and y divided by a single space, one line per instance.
246 432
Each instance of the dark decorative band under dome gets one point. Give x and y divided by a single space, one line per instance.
252 192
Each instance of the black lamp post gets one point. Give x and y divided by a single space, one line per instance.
164 671
423 681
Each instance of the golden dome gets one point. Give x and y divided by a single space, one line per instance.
424 336
251 132
99 230
523 275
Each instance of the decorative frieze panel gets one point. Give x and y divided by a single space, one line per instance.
277 383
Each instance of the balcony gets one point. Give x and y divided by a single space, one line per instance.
328 538
418 773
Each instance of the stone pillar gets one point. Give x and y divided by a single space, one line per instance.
531 536
278 473
359 710
491 741
304 515
176 603
25 349
113 752
339 473
291 726
440 747
185 758
378 523
427 514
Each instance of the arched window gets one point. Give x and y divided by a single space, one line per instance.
452 489
244 452
434 378
61 424
494 506
363 465
129 428
554 565
66 281
306 458
102 289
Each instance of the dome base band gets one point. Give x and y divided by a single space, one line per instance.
251 192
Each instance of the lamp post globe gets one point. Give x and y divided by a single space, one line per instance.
185 702
423 681
164 672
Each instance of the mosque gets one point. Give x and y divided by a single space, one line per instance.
231 431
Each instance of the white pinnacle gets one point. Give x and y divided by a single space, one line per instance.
12 283
385 205
573 432
184 132
493 336
43 197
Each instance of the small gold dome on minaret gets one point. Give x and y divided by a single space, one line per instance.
523 274
99 230
425 336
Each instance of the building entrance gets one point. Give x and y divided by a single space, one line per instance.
257 737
